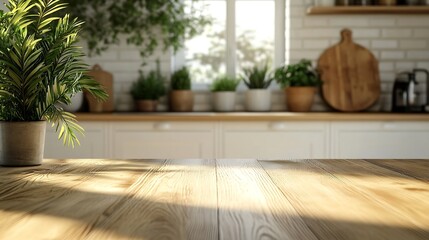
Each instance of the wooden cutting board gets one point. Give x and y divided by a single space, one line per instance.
106 81
350 75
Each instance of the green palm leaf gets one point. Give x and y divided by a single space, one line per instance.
40 66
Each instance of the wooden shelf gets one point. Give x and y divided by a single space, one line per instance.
368 10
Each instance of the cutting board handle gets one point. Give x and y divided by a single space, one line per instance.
97 67
346 36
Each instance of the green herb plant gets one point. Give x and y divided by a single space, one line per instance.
150 87
299 74
224 84
143 23
257 78
40 65
181 79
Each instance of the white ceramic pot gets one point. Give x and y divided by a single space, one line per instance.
224 101
76 103
324 3
258 100
22 143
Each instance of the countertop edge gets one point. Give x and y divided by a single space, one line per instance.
247 116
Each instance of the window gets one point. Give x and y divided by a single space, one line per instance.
244 33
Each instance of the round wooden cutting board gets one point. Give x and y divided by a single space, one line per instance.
350 75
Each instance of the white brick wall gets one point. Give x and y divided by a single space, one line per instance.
399 42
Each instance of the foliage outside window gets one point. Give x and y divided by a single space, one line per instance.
206 54
142 22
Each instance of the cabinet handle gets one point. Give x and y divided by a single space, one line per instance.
277 125
162 126
389 126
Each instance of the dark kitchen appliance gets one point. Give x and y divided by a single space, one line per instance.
404 97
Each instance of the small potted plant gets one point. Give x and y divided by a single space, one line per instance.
258 97
299 82
147 90
223 89
40 68
181 95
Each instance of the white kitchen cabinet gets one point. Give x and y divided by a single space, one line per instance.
163 140
275 140
94 143
262 139
380 139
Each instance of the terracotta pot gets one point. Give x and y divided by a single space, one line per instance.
181 101
224 101
23 143
387 2
258 100
299 99
146 105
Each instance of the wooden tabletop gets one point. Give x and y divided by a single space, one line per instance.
216 199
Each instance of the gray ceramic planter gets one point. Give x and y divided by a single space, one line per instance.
224 101
258 100
22 143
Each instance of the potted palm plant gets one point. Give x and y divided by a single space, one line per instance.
40 68
147 90
258 97
299 82
181 95
223 89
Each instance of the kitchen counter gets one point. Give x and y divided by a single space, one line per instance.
216 199
247 116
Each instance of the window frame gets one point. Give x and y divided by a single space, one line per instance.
179 59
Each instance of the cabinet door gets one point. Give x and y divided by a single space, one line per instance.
275 140
163 140
92 144
380 140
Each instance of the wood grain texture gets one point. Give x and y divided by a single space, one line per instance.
110 200
216 199
336 209
401 195
178 201
414 168
350 75
57 200
251 207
